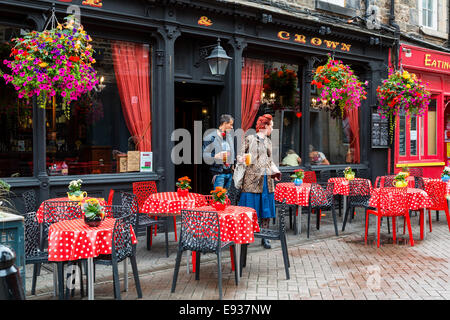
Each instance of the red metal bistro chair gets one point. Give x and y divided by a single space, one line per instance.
437 192
310 177
143 190
392 202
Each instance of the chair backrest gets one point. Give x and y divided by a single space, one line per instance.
128 199
285 177
416 172
29 199
282 210
122 246
392 201
363 173
111 197
384 181
310 177
200 231
234 194
324 176
320 197
437 190
419 183
55 211
143 190
32 235
359 188
210 200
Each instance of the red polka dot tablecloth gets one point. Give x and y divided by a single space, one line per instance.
293 194
237 224
416 198
342 185
40 212
170 203
73 239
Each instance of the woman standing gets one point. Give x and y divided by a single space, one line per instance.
257 185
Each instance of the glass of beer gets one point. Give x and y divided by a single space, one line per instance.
248 159
224 157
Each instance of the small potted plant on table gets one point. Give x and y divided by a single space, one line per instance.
349 174
183 185
220 197
94 213
298 176
75 193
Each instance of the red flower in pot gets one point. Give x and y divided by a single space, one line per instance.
183 185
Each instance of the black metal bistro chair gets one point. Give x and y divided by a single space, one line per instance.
200 232
122 247
142 223
286 177
29 199
321 199
279 234
359 196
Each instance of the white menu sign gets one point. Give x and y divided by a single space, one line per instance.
146 161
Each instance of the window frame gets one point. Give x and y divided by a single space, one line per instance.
434 20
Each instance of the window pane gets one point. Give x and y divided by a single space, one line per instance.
16 120
290 139
413 136
432 146
402 136
97 132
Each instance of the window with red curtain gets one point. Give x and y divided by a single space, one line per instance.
109 121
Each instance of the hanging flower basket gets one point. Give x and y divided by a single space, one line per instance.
53 63
402 91
339 89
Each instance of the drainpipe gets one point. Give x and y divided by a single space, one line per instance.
395 61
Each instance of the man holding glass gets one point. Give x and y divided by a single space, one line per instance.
218 151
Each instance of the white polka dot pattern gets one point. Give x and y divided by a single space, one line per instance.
293 194
342 185
73 239
416 199
171 202
237 224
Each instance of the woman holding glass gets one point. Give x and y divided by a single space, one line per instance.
258 186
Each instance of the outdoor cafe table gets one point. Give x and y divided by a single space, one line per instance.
237 224
417 200
71 240
298 195
40 211
342 187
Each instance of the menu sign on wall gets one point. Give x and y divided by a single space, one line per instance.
380 131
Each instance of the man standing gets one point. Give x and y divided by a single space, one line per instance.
218 151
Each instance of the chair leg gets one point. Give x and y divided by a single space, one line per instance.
290 217
116 280
408 222
318 219
333 212
393 230
149 238
33 283
421 221
166 235
175 227
234 266
389 228
367 227
309 221
80 265
285 241
429 220
345 218
378 231
136 276
437 215
219 271
176 269
197 265
448 217
60 267
285 256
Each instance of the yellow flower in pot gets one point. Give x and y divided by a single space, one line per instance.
349 173
400 181
75 193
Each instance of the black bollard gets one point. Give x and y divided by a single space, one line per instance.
10 281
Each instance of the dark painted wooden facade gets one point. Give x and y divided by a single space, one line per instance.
172 28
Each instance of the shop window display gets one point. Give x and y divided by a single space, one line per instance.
16 121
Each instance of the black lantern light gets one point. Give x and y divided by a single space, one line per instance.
218 60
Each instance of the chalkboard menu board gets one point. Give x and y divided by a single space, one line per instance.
380 131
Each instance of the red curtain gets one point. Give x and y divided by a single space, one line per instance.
252 78
132 70
353 119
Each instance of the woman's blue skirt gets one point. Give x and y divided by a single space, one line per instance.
263 203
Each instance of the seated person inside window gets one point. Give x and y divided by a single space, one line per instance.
349 158
292 159
317 157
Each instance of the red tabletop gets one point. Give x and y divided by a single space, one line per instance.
237 224
73 239
40 212
170 203
342 185
293 194
416 198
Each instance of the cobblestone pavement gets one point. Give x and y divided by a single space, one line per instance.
322 267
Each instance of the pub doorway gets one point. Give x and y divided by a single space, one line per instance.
195 102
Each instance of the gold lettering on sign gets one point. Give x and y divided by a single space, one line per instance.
345 47
316 41
283 35
330 44
427 60
300 38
